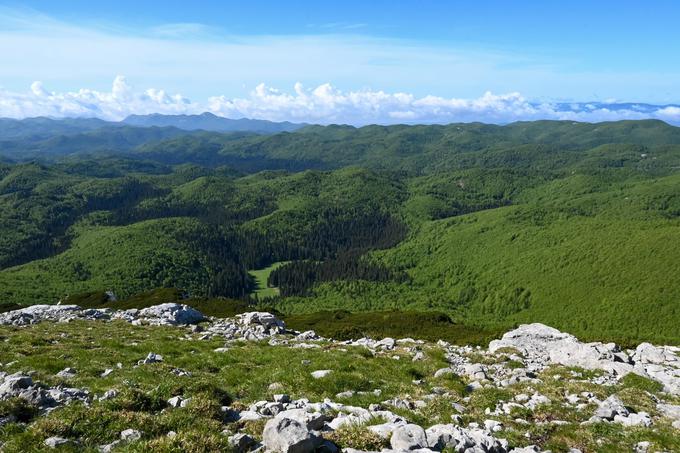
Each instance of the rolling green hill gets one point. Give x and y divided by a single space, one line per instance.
571 224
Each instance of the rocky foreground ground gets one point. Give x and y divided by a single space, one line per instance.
535 389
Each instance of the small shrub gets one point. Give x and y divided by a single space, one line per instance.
203 405
254 427
134 399
632 380
488 397
192 441
415 373
513 364
17 409
509 350
211 390
455 382
637 399
357 436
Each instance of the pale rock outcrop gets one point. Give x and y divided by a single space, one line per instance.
57 313
408 437
461 439
286 435
610 408
171 314
542 345
42 397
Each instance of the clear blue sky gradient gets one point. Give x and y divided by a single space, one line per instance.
619 34
633 38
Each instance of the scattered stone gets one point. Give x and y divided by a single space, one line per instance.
493 426
295 425
151 358
180 372
281 398
318 374
275 387
241 442
444 372
130 435
56 441
642 447
610 408
386 343
637 419
109 394
176 401
475 371
542 345
108 448
345 394
671 411
67 373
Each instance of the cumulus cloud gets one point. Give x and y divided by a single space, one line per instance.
121 101
323 104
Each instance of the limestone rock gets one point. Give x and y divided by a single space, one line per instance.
130 435
610 408
56 441
408 437
241 442
285 435
318 374
171 314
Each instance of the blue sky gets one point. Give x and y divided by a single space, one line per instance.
213 55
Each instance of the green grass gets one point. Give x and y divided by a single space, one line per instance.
261 276
242 375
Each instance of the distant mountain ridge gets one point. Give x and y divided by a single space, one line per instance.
41 128
210 122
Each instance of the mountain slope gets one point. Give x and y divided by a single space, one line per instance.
572 224
601 264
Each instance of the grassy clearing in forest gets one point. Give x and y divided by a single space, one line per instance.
263 290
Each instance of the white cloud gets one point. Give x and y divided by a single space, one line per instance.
121 101
670 113
323 104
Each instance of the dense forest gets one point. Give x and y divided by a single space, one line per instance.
572 224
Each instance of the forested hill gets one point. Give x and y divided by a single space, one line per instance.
572 224
416 149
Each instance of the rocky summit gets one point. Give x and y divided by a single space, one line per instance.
297 392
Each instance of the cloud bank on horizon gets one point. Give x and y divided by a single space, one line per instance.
322 105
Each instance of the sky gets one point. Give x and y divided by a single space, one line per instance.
353 62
